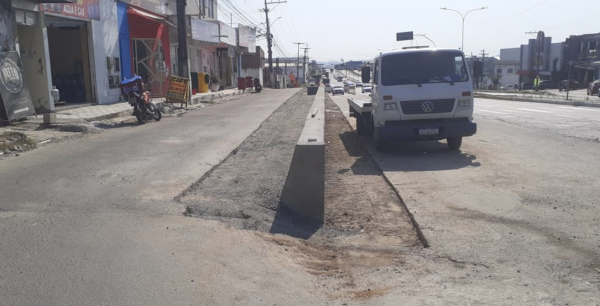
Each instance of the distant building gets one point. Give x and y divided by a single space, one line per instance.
254 64
508 70
488 68
510 54
350 65
583 52
544 62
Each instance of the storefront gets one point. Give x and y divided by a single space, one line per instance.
203 51
145 47
69 39
226 54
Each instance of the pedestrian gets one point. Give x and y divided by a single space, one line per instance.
516 86
536 83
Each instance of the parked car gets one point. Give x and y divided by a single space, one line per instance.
508 87
337 89
359 84
562 85
328 87
366 88
526 86
548 85
593 88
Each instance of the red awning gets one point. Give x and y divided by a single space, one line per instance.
149 16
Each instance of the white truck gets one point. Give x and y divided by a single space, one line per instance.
417 94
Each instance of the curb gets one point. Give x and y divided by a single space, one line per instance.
304 189
217 95
522 99
193 101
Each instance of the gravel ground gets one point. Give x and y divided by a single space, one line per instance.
244 189
367 231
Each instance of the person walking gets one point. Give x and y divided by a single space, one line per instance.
536 83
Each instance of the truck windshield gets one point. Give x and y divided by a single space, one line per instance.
423 68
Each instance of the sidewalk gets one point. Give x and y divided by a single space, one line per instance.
107 111
550 98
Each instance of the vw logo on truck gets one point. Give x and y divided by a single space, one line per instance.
10 75
427 106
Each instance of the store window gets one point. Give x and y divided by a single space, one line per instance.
210 9
25 17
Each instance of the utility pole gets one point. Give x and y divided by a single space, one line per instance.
304 67
483 54
182 55
269 40
298 62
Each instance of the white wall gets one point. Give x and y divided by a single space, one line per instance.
510 54
508 78
105 35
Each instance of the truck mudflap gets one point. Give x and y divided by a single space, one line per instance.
425 129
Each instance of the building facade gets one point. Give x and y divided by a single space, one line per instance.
582 55
85 49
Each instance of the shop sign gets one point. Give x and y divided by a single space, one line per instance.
13 90
204 31
243 36
231 51
85 9
227 34
178 90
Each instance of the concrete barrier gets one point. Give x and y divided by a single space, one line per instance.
304 190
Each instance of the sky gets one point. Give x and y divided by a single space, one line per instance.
361 29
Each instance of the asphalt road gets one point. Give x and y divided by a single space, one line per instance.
93 221
516 211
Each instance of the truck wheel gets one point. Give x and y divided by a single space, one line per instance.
380 145
454 143
361 127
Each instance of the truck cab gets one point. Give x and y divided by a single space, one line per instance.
417 94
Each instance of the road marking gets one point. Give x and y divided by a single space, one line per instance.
568 116
489 111
580 108
533 110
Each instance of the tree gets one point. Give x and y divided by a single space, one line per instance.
496 79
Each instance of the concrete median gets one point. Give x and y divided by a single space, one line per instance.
304 190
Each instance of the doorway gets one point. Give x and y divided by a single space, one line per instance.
70 59
149 63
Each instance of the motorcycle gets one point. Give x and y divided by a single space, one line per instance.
257 86
134 91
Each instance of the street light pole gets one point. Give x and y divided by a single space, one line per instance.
462 46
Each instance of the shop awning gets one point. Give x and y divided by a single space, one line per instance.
150 16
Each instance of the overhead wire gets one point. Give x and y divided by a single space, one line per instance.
513 15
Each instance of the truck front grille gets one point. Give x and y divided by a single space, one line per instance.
416 107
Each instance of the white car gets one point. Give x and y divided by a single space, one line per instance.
328 88
337 89
366 88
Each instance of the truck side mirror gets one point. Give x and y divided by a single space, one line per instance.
365 74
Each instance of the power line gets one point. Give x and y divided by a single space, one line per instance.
246 16
519 13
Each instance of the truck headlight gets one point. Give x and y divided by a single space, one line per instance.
391 106
464 103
